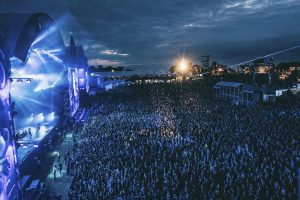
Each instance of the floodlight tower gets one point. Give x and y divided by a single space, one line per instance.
205 61
183 66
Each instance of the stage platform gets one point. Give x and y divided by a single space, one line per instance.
28 144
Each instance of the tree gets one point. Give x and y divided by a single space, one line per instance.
172 69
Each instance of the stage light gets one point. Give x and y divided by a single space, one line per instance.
40 117
35 146
92 74
43 61
183 65
43 85
47 81
29 120
34 61
44 35
55 51
30 100
51 55
51 117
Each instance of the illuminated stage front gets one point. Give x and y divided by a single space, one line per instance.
41 81
29 143
37 101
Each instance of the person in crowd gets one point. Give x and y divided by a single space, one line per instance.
54 172
60 166
65 134
30 134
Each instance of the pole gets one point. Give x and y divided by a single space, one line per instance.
181 79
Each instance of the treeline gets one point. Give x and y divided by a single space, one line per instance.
101 68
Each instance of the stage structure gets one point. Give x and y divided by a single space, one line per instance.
77 64
20 36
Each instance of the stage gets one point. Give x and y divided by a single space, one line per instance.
41 81
30 143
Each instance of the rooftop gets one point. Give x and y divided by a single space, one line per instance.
228 84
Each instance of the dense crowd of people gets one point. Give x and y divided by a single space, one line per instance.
166 141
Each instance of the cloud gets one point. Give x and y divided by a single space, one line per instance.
94 46
98 61
195 25
113 52
232 5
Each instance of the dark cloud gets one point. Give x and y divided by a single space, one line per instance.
152 34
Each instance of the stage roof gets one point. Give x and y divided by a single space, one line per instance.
20 30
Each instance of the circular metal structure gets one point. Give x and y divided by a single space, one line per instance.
40 28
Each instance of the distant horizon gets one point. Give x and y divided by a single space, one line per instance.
166 69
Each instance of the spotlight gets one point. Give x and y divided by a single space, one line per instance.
29 119
51 55
183 65
40 117
55 50
51 117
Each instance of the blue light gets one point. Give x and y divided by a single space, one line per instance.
40 117
51 117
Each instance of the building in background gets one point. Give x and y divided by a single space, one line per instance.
237 93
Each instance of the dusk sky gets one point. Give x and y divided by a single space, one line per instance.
151 34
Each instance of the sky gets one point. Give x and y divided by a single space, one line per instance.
150 35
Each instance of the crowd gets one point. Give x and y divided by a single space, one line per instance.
167 141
